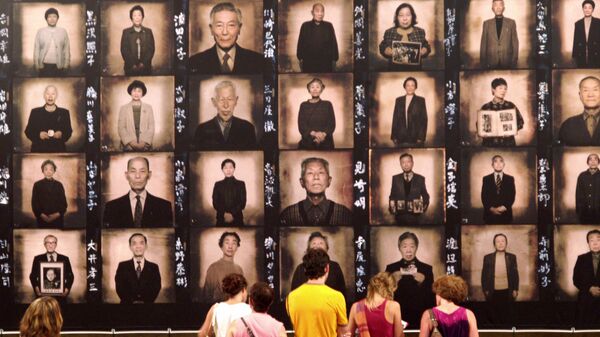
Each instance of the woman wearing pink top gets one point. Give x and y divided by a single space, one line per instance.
378 315
258 323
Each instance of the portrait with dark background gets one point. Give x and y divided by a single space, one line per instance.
70 172
569 162
29 17
478 241
569 242
115 18
430 17
250 34
565 92
340 170
386 163
205 250
248 88
115 185
160 96
471 26
29 243
293 91
293 242
160 249
389 86
292 13
564 15
206 170
521 91
28 93
519 163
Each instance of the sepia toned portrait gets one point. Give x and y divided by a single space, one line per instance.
407 109
49 190
575 37
315 111
227 188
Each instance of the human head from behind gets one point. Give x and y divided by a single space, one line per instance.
593 161
382 284
593 240
51 16
42 318
225 24
451 288
138 173
318 12
138 244
316 264
408 243
314 176
588 7
261 297
316 240
589 93
405 16
225 100
233 285
48 169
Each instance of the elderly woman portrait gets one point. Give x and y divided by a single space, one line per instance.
316 119
48 200
137 44
404 30
136 120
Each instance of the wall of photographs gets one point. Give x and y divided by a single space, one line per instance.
183 92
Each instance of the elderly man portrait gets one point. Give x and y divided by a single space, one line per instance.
226 55
225 131
408 196
587 192
49 126
586 278
316 209
582 129
35 277
51 51
498 194
586 38
138 208
499 40
137 280
137 45
317 47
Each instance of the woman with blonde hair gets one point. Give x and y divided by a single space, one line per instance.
42 319
377 315
448 318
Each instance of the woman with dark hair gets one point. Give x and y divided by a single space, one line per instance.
316 119
48 200
378 314
136 120
404 30
137 45
42 319
447 317
222 314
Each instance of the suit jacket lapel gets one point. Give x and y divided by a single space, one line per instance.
146 213
219 133
128 209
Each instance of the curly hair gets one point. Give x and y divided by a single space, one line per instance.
42 319
315 261
383 284
261 296
451 287
233 283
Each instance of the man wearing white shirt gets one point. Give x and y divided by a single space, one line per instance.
137 280
498 194
50 243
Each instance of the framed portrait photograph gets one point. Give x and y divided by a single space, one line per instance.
406 52
52 274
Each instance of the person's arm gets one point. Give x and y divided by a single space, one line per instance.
62 200
483 47
36 204
155 286
485 198
485 275
422 127
301 47
520 120
515 45
282 332
243 195
232 329
216 199
511 193
37 63
207 325
473 331
385 44
579 276
69 277
303 126
32 129
397 318
34 277
579 195
66 128
395 121
124 47
330 126
425 45
351 320
574 49
151 49
334 45
425 196
124 134
67 51
148 136
515 272
426 327
342 320
121 284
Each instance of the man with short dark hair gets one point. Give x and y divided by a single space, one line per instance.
498 194
408 197
314 308
229 242
35 277
316 209
582 129
317 47
229 197
49 126
226 56
586 38
51 51
499 40
586 277
138 208
587 192
137 280
137 45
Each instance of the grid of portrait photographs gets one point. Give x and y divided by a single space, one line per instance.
149 148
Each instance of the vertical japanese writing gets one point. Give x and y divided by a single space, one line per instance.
180 110
360 184
180 187
544 268
268 115
181 278
90 38
451 255
91 104
360 262
4 179
451 36
270 246
360 113
92 184
543 114
180 49
269 185
4 100
269 26
5 267
451 104
451 184
541 28
4 38
93 281
543 182
360 47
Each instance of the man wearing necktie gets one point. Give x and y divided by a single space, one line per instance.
587 192
582 129
138 208
226 56
137 280
586 277
408 197
35 277
498 194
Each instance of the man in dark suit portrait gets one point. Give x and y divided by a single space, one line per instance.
35 277
49 127
586 277
408 196
409 124
137 280
499 276
229 197
225 131
138 208
498 194
499 40
317 47
587 192
137 45
316 209
335 280
582 129
586 38
226 56
414 278
498 103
